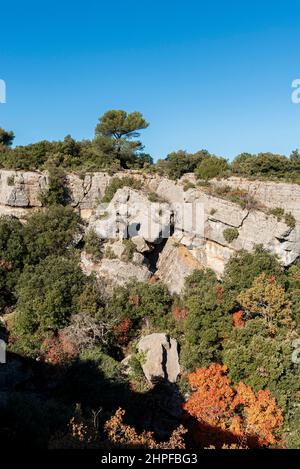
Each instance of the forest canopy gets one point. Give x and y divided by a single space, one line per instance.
73 346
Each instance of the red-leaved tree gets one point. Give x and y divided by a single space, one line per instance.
220 413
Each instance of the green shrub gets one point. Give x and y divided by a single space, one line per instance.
136 373
90 300
47 295
230 234
12 254
277 212
211 167
207 321
50 232
93 245
293 289
10 180
260 360
179 163
266 165
290 220
56 192
109 253
138 300
153 197
188 185
106 364
129 250
95 380
280 214
243 267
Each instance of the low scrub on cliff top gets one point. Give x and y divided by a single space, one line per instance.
115 146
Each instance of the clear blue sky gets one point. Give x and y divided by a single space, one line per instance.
214 75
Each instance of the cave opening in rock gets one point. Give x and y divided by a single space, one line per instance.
152 255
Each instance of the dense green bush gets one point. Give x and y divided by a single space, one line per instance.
211 167
106 364
90 300
180 162
12 252
138 301
93 245
50 231
207 321
56 194
48 294
230 234
30 157
267 166
242 268
94 380
263 361
293 289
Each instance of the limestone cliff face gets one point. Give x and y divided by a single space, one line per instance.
188 246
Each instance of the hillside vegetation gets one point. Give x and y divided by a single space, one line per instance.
65 381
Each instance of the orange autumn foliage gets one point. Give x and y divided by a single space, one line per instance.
125 436
237 319
134 300
180 313
59 350
227 414
83 434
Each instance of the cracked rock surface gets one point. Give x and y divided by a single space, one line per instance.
159 358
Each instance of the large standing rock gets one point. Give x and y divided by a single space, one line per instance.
175 263
160 357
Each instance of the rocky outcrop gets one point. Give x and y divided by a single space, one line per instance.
270 194
21 189
159 358
191 223
131 214
175 263
114 272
